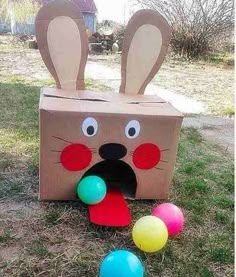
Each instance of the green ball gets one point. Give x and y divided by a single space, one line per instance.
91 190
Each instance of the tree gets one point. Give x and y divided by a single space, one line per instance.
196 24
24 9
107 26
4 13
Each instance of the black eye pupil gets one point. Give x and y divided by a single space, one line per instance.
90 130
132 131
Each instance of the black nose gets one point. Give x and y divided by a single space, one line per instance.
112 151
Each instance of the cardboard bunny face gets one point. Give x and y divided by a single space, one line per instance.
128 139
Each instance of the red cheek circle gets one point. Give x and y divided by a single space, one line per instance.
76 157
146 156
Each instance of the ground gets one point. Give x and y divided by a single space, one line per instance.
56 239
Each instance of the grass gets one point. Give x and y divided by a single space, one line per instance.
56 239
216 57
211 83
37 248
220 57
52 217
5 237
229 111
222 217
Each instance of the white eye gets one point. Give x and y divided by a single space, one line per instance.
90 127
132 129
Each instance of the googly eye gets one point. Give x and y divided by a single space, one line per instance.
90 127
132 129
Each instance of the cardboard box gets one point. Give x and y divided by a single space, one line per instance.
62 114
127 138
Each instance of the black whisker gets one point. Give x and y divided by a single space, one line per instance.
165 150
93 152
59 151
91 149
159 168
62 139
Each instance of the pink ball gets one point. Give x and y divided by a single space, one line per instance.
171 215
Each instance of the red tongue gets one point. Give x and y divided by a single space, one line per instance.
112 211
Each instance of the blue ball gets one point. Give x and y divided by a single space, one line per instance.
91 190
121 263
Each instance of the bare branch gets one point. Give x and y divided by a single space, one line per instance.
196 24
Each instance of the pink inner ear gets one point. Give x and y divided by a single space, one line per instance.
65 50
143 54
146 156
76 157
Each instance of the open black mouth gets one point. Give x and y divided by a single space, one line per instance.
116 174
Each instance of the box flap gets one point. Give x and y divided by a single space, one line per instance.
53 99
101 96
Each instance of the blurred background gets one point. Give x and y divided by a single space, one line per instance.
199 27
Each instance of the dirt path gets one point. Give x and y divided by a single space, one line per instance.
109 74
217 129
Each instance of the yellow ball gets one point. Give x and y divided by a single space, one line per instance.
150 234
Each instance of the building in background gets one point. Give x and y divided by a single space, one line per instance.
5 26
89 12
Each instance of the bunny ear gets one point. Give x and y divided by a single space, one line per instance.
145 45
63 43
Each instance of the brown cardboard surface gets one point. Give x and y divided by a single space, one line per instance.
62 42
145 46
58 183
100 96
111 103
